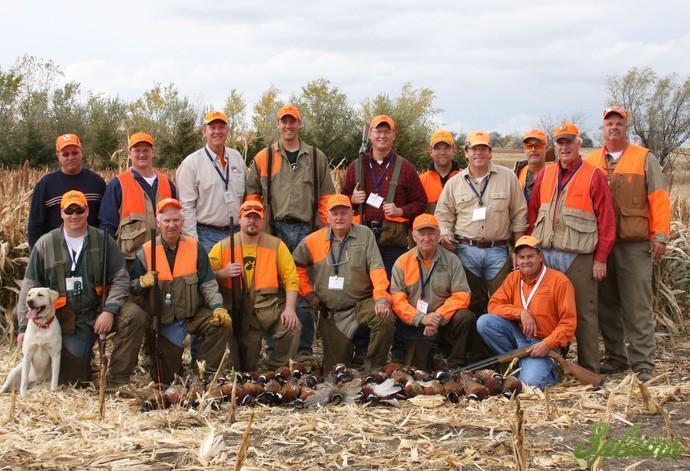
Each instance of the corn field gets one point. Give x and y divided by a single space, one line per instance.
671 275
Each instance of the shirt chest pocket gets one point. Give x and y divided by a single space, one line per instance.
464 200
497 201
356 257
237 179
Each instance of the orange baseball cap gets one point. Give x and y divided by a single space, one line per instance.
73 197
618 109
528 241
138 137
67 140
338 200
168 202
251 206
380 119
441 135
215 116
478 138
566 130
289 110
425 221
535 134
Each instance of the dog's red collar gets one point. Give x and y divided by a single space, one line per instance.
46 325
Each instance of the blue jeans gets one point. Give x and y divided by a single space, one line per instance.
503 336
484 263
292 235
208 236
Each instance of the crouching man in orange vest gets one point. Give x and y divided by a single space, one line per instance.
189 302
642 211
571 213
342 275
269 285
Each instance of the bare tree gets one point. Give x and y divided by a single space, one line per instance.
658 108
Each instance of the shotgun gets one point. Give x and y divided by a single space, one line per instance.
582 374
101 337
362 152
235 298
156 320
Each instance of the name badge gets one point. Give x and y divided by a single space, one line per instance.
336 282
479 214
73 283
422 306
375 200
229 196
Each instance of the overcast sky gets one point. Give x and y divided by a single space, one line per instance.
495 65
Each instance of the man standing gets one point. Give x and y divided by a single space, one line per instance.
480 212
387 188
443 166
642 210
431 296
536 145
269 284
342 276
294 196
188 300
571 213
45 213
534 306
69 260
211 184
128 210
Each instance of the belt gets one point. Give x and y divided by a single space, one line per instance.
291 221
482 244
218 228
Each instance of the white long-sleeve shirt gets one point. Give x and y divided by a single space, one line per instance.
202 192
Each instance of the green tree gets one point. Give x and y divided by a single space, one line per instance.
658 108
10 84
236 108
264 119
107 130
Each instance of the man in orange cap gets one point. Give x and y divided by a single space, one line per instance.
69 260
45 214
481 211
536 146
443 166
571 212
642 211
534 306
211 184
342 276
188 299
387 195
431 299
295 195
269 284
128 209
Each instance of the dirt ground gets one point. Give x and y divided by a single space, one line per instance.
62 430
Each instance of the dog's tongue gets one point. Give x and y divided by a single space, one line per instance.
32 313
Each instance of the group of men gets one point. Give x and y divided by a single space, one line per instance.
455 263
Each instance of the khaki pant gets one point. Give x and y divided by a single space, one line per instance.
481 289
133 321
625 305
338 347
587 331
245 348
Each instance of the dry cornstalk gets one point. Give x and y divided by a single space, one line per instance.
13 405
233 397
649 403
244 444
518 437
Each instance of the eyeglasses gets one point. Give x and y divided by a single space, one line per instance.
73 210
539 146
74 153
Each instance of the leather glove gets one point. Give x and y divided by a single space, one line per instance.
221 317
148 279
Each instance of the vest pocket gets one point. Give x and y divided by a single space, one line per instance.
131 237
580 233
539 230
266 311
633 224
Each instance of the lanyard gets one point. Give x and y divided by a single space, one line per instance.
336 263
561 183
474 190
377 181
225 179
421 276
525 303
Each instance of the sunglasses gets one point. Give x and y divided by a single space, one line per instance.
534 146
73 210
73 153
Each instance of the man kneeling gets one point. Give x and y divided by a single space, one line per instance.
342 276
188 298
534 306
